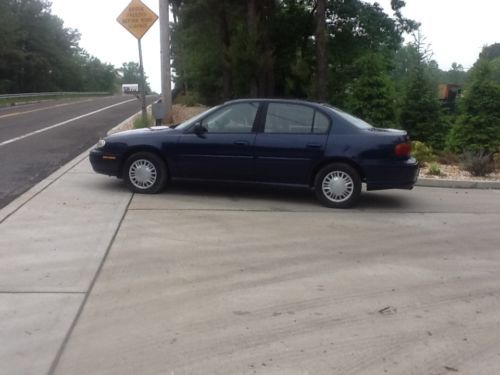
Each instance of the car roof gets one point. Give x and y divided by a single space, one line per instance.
281 100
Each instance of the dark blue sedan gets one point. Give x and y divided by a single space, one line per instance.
268 141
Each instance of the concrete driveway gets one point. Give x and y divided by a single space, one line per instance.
233 280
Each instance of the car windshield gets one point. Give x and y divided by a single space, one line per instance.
194 119
357 122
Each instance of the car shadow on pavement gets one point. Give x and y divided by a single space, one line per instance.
305 198
386 200
236 192
279 194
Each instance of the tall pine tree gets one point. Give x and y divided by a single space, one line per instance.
478 126
420 109
372 94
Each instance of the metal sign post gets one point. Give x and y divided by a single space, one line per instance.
137 18
143 84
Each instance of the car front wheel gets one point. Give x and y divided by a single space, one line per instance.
338 185
145 173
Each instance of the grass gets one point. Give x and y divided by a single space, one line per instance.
435 169
143 122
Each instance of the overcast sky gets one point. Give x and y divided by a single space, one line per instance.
455 29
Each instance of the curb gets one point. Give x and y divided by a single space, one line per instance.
457 184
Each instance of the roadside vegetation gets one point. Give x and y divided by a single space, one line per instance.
38 54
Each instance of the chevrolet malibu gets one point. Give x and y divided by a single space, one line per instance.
287 142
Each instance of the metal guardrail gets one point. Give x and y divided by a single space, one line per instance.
49 94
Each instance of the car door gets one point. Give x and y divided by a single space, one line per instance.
220 146
290 143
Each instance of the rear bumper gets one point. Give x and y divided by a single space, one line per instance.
105 163
396 175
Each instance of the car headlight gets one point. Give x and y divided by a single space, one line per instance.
101 143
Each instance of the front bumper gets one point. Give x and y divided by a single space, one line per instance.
105 163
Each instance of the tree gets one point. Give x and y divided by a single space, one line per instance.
97 76
456 75
372 94
39 54
130 73
420 108
299 48
357 28
478 126
321 35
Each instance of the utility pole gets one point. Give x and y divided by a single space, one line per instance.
166 87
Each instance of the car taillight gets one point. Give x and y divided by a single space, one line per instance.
403 150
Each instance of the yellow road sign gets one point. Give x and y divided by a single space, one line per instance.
137 18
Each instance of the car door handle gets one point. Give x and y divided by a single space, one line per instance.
314 145
241 143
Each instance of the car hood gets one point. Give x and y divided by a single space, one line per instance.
139 132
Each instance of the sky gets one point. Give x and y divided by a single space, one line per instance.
456 30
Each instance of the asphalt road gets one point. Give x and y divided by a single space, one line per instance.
36 139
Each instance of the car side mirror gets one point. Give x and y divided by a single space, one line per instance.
199 129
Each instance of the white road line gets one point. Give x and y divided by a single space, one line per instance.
62 123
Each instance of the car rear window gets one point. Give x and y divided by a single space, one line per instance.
357 122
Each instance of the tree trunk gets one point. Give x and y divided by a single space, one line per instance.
252 25
266 74
227 86
321 35
226 43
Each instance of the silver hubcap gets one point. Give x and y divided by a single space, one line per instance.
338 186
142 174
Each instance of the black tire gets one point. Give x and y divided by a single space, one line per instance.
338 185
145 173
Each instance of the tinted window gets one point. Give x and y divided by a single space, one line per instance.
321 123
288 118
235 118
357 122
293 118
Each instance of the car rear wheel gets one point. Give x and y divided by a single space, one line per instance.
145 173
338 185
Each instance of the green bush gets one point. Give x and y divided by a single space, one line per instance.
478 163
188 100
434 169
478 126
422 152
143 122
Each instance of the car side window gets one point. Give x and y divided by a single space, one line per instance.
321 123
235 118
288 118
295 118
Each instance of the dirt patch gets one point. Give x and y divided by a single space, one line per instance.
181 113
453 172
